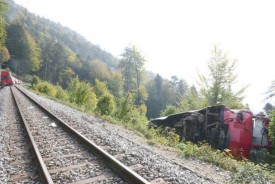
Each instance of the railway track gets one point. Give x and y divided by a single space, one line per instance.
61 153
67 157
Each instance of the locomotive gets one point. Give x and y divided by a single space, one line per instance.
7 79
239 132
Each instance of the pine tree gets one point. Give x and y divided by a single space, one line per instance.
216 84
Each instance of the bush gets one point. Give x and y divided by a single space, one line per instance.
248 172
106 105
243 171
82 94
46 88
27 78
204 152
61 94
35 81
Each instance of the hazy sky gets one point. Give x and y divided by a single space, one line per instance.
176 36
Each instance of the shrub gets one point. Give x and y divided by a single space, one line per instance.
46 88
61 94
27 78
170 109
82 94
248 172
35 81
106 105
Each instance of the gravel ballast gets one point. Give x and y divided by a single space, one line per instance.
157 162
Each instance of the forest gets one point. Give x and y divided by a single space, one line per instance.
38 47
59 62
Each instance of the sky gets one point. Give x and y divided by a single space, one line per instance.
176 36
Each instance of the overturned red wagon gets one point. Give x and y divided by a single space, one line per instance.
239 131
7 79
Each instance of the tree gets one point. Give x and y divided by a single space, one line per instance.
4 54
140 95
101 88
191 100
106 102
115 84
55 58
128 112
106 105
216 84
180 86
154 88
98 70
161 93
34 55
66 75
3 11
268 108
23 49
131 66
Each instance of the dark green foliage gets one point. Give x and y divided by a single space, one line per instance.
55 58
35 80
25 54
153 102
268 107
161 93
106 105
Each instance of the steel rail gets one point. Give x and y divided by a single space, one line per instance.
125 172
44 173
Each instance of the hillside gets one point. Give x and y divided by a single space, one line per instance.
44 32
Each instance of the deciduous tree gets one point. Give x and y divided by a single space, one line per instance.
132 66
3 10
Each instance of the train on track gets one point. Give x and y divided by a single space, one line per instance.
8 80
237 131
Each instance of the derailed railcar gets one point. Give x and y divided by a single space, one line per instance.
221 127
6 79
